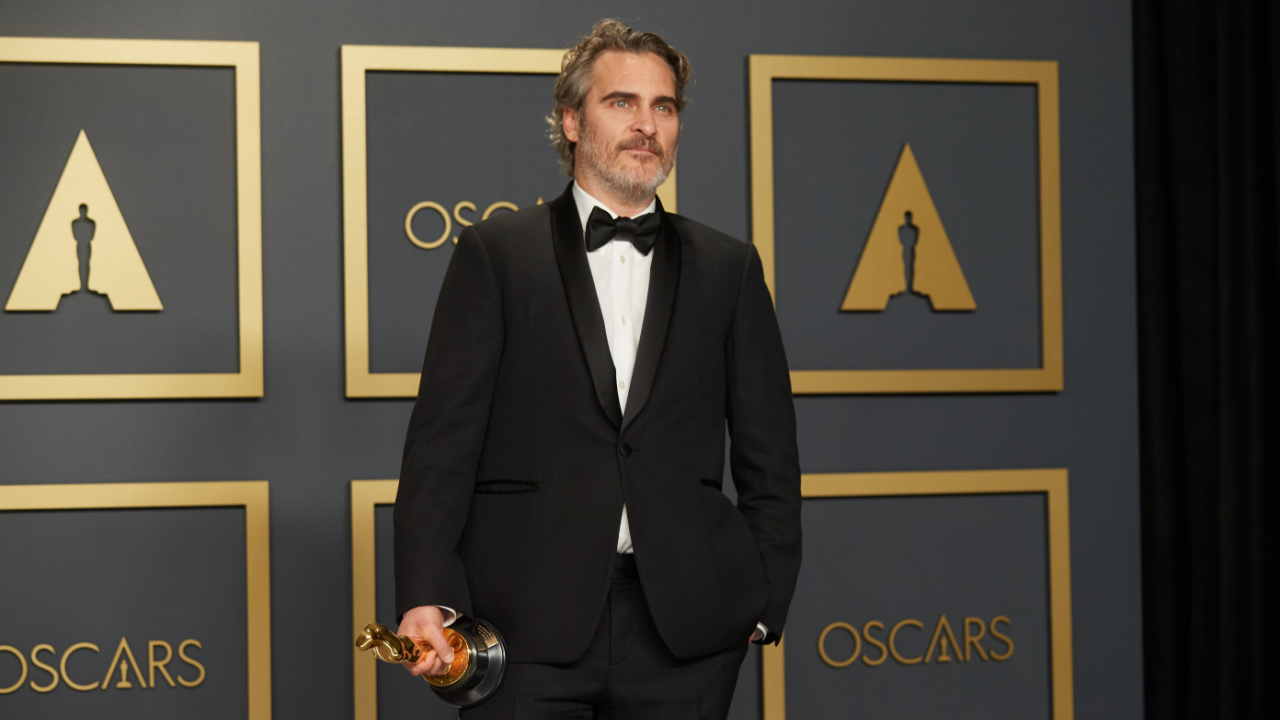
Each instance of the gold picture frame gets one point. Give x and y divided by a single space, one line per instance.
366 496
357 60
247 382
1051 482
1043 75
252 495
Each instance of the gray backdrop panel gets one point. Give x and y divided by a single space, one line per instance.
443 137
310 441
165 138
836 145
890 559
96 576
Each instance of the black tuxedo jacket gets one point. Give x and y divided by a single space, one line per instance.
518 458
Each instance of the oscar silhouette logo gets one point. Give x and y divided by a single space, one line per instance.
908 248
83 242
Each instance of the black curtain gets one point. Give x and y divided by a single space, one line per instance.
1207 79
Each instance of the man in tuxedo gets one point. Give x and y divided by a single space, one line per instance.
562 471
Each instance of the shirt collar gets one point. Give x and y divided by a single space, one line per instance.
585 203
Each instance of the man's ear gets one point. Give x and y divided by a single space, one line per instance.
569 120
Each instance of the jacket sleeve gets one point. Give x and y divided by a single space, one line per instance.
447 430
763 456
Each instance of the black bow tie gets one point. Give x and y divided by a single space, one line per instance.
641 232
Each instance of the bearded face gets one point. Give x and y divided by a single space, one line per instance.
631 168
627 129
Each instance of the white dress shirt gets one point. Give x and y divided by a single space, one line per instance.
621 276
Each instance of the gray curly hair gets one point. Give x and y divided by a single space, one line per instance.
575 75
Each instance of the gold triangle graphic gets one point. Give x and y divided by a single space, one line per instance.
52 267
881 271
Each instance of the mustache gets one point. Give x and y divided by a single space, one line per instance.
651 144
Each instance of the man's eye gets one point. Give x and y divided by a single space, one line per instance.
620 103
663 108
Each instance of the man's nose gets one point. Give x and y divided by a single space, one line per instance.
645 123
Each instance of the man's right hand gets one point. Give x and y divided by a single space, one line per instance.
426 624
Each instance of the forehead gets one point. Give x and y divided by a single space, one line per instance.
639 73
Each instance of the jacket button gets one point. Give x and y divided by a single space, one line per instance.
625 449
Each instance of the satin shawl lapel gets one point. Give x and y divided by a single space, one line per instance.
580 289
664 279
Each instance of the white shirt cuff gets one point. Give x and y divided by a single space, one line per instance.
451 615
760 633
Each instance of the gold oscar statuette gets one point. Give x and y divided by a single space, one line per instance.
479 658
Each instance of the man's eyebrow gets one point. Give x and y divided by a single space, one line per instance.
619 95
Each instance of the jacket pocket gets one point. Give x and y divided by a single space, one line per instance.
505 487
714 483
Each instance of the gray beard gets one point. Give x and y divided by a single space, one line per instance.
622 184
627 186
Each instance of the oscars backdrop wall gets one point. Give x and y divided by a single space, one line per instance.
223 227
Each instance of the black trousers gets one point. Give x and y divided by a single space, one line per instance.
627 672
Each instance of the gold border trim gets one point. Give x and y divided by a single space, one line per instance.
764 69
243 57
252 495
1051 482
357 60
366 495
